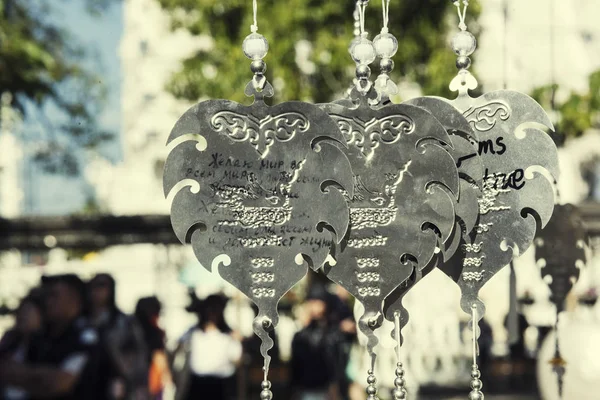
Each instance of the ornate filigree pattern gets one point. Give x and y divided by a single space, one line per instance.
262 262
259 292
473 276
262 277
367 135
367 262
367 276
260 133
369 291
484 118
263 241
473 261
374 241
473 247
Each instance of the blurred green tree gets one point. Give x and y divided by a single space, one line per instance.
308 58
577 113
41 65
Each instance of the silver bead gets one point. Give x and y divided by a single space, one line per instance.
475 395
475 372
371 390
371 380
265 385
476 384
363 71
464 43
399 382
463 62
386 65
255 46
266 394
399 394
258 67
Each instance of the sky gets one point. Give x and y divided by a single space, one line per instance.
56 195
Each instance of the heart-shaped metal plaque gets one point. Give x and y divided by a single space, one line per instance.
521 164
257 192
470 171
405 187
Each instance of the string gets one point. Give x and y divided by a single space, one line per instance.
386 15
462 15
254 26
362 6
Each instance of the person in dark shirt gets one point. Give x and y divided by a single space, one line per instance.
61 362
123 367
313 366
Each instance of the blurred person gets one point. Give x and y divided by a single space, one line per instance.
147 313
14 345
313 366
214 351
62 360
343 326
123 366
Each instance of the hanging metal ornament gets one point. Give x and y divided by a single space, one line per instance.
257 191
560 251
470 170
405 187
520 162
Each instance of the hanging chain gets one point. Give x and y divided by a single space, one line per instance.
476 384
399 392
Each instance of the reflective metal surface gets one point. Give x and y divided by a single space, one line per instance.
405 186
257 192
470 169
521 164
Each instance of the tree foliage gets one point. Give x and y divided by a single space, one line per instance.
422 28
577 113
41 64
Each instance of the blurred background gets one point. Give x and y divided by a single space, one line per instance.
90 89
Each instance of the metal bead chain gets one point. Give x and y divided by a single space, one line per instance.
371 388
266 393
399 392
476 384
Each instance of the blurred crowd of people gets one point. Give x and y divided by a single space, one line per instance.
71 341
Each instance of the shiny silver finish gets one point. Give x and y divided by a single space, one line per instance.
521 165
470 169
405 186
257 192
